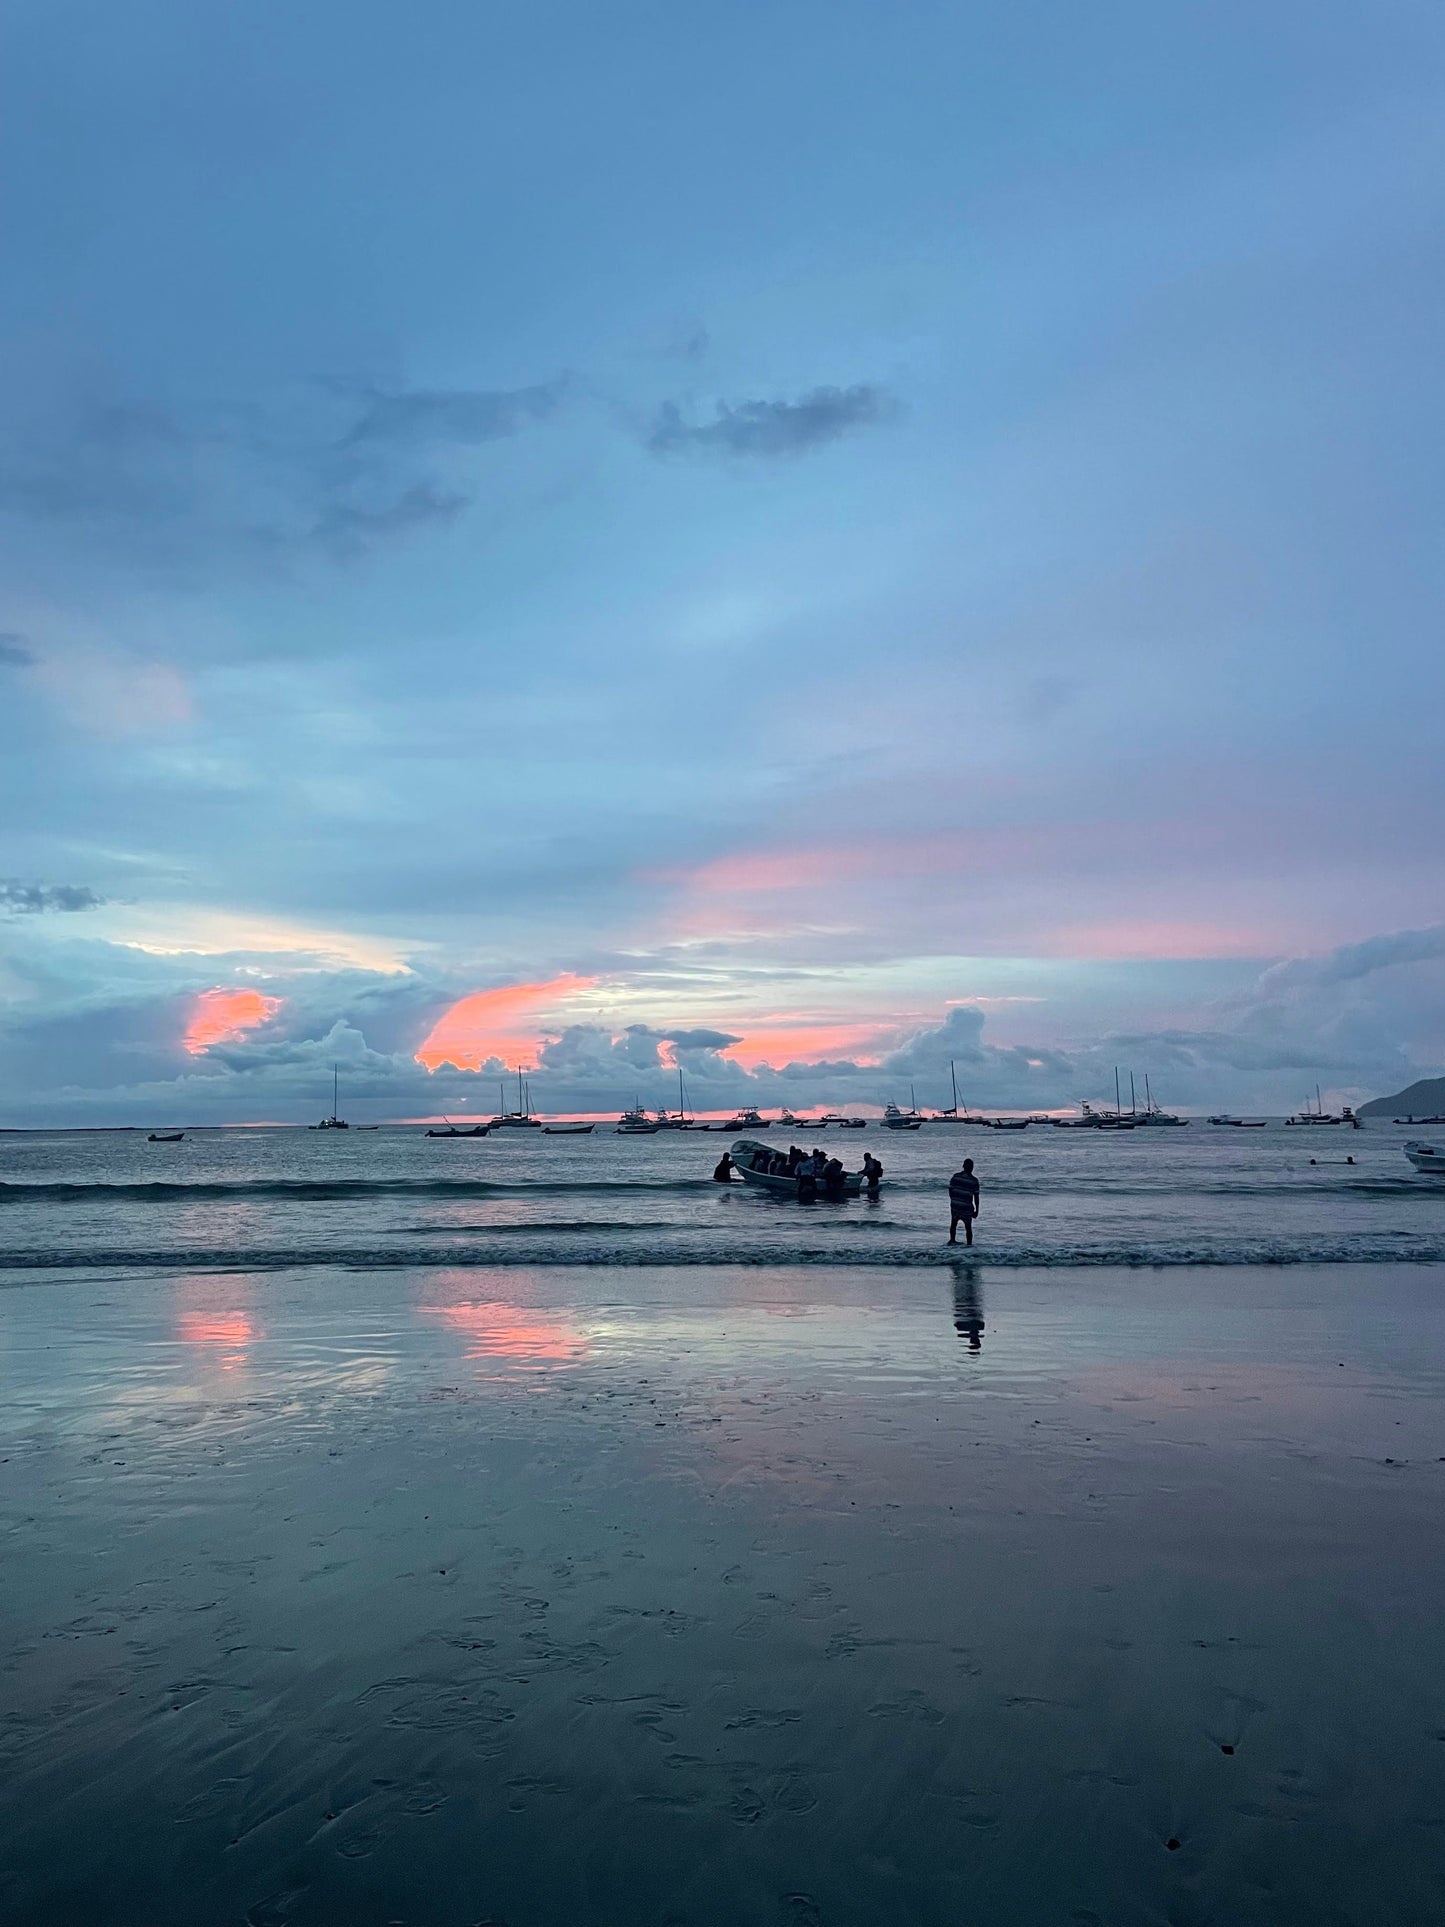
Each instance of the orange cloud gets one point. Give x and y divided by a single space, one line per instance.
222 1016
480 1026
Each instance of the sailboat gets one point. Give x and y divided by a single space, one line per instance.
952 1115
1151 1113
666 1121
520 1119
1319 1115
332 1123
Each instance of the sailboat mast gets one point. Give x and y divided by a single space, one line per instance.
335 1087
1116 1091
1133 1108
953 1079
1148 1094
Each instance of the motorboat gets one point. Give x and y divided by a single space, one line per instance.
1319 1115
752 1160
1429 1158
748 1120
843 1123
568 1130
636 1123
477 1130
1241 1123
166 1137
1005 1123
895 1119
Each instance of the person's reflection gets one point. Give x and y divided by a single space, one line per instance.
968 1306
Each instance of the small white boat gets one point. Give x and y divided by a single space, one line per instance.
1429 1158
895 1119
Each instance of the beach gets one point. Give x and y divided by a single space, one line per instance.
780 1593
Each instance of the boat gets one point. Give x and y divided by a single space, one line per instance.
368 1127
747 1121
521 1119
1319 1115
477 1130
1151 1113
332 1123
747 1152
951 1114
166 1137
843 1123
895 1119
568 1130
1240 1123
681 1119
1429 1158
635 1123
1005 1123
1417 1120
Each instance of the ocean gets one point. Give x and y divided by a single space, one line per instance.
267 1199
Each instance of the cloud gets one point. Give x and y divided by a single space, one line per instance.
33 899
479 1032
1353 961
224 1016
15 652
348 530
460 416
769 428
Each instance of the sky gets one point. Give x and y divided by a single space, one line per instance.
798 543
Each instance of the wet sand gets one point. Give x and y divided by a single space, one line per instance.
788 1597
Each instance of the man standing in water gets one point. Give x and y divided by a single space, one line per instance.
962 1202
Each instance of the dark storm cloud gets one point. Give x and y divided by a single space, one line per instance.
15 652
461 416
32 899
773 427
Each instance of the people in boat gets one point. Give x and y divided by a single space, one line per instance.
872 1173
724 1172
795 1158
833 1177
963 1197
807 1175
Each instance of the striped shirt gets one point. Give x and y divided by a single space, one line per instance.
963 1194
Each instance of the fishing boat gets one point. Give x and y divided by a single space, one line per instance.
477 1130
166 1137
752 1160
332 1123
895 1119
748 1120
635 1123
843 1123
568 1130
1429 1158
1319 1115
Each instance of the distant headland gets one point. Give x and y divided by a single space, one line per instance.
1424 1098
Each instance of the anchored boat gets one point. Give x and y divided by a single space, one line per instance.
752 1160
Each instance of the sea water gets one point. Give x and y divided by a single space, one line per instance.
269 1198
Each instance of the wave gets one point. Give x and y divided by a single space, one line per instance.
339 1190
718 1253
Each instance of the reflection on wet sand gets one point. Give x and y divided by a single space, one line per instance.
968 1305
495 1329
218 1325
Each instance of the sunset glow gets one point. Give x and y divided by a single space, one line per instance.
497 1330
484 1025
224 1016
795 1042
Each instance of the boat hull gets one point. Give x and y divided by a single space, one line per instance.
1427 1158
780 1185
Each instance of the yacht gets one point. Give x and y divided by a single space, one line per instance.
748 1120
332 1123
521 1119
636 1123
1151 1113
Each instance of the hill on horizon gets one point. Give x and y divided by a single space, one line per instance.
1424 1098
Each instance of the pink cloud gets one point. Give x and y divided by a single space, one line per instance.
484 1024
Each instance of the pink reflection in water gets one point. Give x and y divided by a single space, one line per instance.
498 1330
